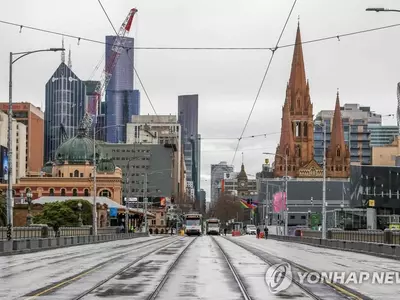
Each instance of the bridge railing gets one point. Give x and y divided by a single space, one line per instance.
43 231
367 236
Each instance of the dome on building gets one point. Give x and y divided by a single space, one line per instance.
77 150
106 166
48 168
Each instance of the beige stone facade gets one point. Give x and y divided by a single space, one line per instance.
386 155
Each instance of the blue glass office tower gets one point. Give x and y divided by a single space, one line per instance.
188 109
122 101
65 103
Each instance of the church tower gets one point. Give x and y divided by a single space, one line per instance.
297 132
242 181
338 153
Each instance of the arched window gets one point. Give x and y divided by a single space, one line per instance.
74 192
62 192
86 192
287 150
59 173
338 152
51 192
76 173
305 129
105 193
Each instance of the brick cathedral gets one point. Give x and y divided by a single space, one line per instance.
297 131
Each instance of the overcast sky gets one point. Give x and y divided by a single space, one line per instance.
364 67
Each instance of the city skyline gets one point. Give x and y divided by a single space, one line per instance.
345 69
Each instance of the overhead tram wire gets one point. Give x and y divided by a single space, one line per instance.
317 40
244 137
127 49
263 79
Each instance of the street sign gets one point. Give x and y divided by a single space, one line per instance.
113 212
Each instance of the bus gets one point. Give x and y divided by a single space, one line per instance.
193 224
213 227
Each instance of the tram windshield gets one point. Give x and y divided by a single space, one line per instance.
192 222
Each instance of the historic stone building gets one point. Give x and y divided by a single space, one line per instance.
242 180
338 153
296 144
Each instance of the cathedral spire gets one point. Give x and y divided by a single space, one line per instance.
63 51
298 72
286 144
337 135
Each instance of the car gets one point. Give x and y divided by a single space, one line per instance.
251 229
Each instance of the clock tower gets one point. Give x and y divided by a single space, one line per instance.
242 181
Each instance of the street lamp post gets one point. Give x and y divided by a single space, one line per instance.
80 223
323 125
10 201
29 200
94 208
285 212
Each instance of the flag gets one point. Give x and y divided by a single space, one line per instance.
279 202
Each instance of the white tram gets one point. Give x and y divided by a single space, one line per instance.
193 224
213 227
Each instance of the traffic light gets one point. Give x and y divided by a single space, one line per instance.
248 201
172 200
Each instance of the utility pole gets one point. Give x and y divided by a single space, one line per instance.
145 203
286 196
324 188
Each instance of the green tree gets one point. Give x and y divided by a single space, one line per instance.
64 214
3 210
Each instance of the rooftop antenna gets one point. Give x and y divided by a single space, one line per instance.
69 58
62 52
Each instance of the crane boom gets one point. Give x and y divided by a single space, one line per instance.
117 47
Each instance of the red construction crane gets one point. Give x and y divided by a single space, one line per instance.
117 48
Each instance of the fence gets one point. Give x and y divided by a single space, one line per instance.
367 236
43 231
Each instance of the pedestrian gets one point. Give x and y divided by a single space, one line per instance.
172 231
258 232
266 232
225 230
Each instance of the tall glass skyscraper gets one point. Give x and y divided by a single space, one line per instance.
122 101
65 106
188 109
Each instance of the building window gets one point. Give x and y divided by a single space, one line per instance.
62 192
70 174
86 192
76 173
59 173
81 174
74 192
105 193
51 192
338 152
305 129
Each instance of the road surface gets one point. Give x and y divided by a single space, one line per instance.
186 268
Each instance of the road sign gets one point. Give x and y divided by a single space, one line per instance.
113 212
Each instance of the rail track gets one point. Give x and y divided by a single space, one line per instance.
52 288
236 276
326 290
159 287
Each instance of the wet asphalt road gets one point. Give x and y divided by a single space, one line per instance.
135 268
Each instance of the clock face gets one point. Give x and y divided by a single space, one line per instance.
242 184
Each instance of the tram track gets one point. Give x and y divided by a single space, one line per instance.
54 287
235 273
159 287
327 289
